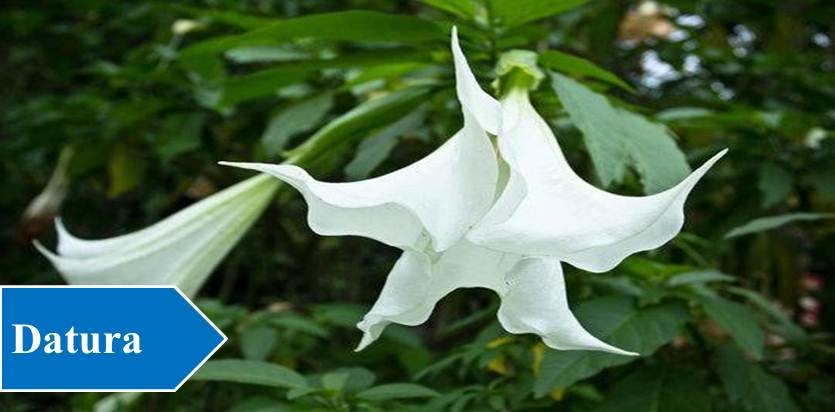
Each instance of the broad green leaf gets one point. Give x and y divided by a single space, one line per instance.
616 138
262 83
355 25
180 134
775 184
749 386
268 81
579 66
228 17
340 314
294 322
358 379
658 389
467 9
368 115
767 223
295 118
334 381
376 148
384 71
699 276
738 320
208 70
251 372
616 320
258 342
512 13
784 324
397 391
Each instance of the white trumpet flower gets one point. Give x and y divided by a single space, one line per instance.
180 250
547 210
461 226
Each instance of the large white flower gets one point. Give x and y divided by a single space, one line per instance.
180 250
429 208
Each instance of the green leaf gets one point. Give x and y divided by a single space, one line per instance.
268 81
397 391
767 223
384 71
749 386
775 184
251 372
375 149
579 66
699 276
334 381
180 134
616 138
738 320
368 115
358 379
295 118
262 83
294 322
340 314
512 13
616 320
355 25
784 324
258 342
228 17
467 9
656 389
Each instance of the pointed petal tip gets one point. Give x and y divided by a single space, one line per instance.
43 250
720 154
364 342
598 346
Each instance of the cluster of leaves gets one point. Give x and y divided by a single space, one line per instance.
149 97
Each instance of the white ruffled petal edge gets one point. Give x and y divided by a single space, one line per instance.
532 291
439 197
547 210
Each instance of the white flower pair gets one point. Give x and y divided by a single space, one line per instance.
466 215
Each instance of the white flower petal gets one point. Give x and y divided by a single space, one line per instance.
547 210
441 196
535 302
474 99
417 282
532 291
181 250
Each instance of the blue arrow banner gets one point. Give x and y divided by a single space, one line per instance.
131 338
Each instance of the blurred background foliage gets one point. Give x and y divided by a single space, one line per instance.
116 113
